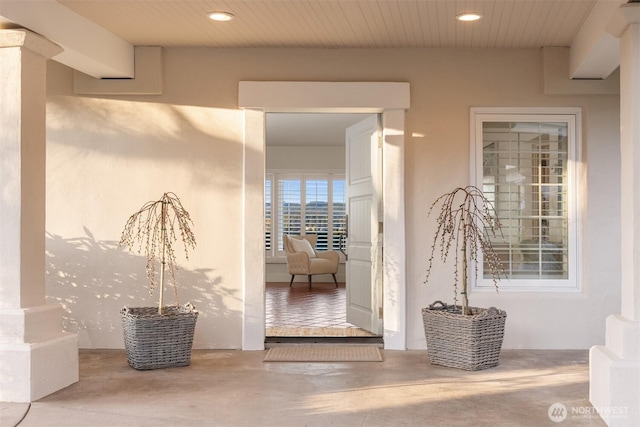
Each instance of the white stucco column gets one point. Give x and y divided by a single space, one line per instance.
614 369
36 356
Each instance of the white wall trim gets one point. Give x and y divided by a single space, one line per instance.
390 99
320 97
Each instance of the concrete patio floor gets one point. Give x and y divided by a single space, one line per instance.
236 388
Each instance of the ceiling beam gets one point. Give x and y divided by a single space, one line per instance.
88 47
595 53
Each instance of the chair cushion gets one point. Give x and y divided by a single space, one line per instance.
302 245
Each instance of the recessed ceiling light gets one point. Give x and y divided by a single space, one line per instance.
221 16
468 17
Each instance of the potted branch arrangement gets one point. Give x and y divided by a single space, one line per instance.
162 336
460 336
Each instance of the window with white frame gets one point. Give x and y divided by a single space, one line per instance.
525 161
297 203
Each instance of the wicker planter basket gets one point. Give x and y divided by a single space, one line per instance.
470 342
154 341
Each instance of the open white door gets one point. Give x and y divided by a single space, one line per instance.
364 234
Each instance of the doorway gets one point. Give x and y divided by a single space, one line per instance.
390 99
305 193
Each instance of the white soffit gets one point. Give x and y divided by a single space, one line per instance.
595 53
87 47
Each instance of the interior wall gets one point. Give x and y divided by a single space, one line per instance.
308 158
109 155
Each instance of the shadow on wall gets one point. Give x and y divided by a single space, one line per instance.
94 279
206 142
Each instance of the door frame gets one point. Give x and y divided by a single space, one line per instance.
391 100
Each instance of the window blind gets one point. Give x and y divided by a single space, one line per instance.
525 177
339 212
268 213
317 211
304 204
289 208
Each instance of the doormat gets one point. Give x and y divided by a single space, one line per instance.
324 353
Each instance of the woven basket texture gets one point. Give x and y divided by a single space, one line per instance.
469 342
154 341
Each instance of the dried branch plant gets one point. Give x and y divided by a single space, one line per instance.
154 229
466 223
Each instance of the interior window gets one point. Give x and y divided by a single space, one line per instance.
304 204
268 217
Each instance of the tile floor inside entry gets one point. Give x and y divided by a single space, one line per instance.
300 311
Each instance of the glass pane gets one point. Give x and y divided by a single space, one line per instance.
525 176
289 213
267 215
339 212
317 211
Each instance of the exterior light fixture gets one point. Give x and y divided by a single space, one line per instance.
468 17
221 16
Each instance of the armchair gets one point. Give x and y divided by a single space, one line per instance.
302 258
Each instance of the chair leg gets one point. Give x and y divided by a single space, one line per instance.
309 281
334 280
291 282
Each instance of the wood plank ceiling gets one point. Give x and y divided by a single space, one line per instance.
340 24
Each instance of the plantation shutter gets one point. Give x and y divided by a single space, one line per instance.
268 213
316 210
304 204
525 176
289 208
339 212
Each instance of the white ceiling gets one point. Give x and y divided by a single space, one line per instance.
99 35
339 24
289 129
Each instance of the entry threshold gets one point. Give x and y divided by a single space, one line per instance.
274 341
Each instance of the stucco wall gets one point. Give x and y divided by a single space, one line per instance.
108 155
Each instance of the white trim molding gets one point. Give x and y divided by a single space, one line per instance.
390 99
574 211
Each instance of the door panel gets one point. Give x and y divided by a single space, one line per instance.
364 241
